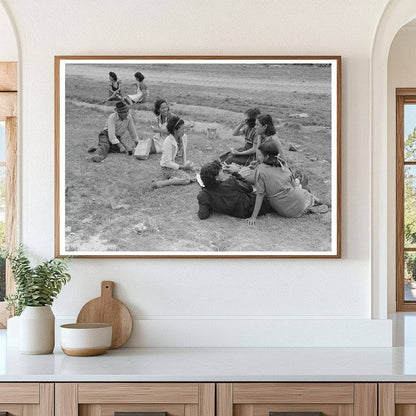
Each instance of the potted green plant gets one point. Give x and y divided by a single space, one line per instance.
36 289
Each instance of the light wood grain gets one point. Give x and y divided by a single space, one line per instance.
365 399
224 399
84 352
31 410
171 409
264 409
11 206
27 393
107 309
252 393
8 76
11 195
191 410
405 393
47 399
90 410
207 399
13 409
66 399
8 105
345 410
138 393
386 399
405 410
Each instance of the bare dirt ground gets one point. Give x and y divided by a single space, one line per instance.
110 205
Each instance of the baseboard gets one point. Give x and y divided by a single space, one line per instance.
193 332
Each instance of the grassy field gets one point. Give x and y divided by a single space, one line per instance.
110 206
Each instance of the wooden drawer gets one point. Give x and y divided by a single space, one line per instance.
397 399
104 399
332 399
27 399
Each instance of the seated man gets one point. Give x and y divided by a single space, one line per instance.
116 136
230 195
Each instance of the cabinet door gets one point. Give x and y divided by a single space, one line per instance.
296 399
145 399
397 399
26 399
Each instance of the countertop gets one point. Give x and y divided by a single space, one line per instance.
212 365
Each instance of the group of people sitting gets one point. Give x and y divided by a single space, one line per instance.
115 90
244 183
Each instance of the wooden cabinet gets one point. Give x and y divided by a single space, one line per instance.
105 399
263 399
27 399
208 399
397 399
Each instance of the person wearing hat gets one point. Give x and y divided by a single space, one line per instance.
115 137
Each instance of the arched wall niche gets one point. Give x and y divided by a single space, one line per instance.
396 14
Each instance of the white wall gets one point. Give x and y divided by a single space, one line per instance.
401 74
179 302
8 46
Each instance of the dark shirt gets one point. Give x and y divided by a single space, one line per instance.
232 197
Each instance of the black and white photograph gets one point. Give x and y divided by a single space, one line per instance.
197 156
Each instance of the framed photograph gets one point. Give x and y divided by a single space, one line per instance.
198 156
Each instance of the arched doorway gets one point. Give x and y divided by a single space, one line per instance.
396 14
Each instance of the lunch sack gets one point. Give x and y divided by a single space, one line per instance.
143 149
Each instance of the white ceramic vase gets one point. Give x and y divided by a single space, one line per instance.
37 330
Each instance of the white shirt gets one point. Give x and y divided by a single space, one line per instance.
169 151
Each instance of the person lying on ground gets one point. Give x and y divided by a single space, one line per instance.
114 88
117 135
229 195
142 93
247 128
274 181
176 169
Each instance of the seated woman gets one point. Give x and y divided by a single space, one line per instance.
176 169
247 128
114 88
274 181
142 93
161 110
163 114
264 131
230 195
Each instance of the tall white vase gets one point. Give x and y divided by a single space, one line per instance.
37 330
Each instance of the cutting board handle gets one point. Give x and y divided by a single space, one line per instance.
107 289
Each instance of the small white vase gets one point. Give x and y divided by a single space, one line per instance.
37 330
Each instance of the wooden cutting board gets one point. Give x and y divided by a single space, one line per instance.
107 309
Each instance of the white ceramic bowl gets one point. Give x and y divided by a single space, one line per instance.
83 340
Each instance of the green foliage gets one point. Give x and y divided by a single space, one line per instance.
410 146
2 233
410 191
35 286
410 266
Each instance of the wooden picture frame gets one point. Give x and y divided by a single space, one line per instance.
112 209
